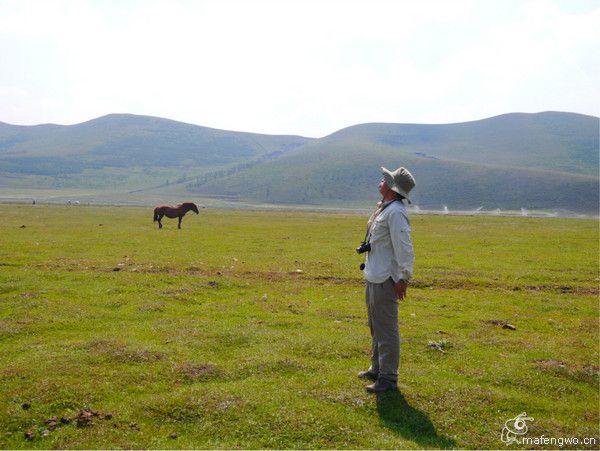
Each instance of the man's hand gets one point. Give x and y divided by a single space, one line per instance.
400 289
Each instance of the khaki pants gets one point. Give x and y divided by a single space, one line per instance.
382 308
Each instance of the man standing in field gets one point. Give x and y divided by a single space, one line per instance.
387 270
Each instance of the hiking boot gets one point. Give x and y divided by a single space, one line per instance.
368 375
382 385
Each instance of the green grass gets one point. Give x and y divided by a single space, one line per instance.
210 332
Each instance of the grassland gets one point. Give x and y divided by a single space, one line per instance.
246 330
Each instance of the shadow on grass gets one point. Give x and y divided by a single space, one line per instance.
412 424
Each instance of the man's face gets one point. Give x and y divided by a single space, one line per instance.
383 188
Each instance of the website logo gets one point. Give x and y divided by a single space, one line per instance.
514 428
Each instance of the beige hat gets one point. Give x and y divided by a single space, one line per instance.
400 181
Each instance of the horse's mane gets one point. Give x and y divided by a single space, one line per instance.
187 204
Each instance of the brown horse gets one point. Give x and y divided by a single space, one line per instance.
173 212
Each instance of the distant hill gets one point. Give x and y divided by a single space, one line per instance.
544 160
551 140
114 144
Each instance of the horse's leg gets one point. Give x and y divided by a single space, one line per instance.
179 224
160 216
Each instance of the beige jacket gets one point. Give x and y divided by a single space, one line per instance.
391 252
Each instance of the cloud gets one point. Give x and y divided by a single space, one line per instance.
294 67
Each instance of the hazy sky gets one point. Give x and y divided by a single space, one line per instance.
298 67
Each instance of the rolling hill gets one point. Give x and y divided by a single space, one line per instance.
550 140
126 150
544 160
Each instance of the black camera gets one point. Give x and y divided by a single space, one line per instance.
364 247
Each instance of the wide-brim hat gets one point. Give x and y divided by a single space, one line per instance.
401 180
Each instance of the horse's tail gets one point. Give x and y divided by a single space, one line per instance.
155 214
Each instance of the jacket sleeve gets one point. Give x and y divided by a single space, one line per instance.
402 244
